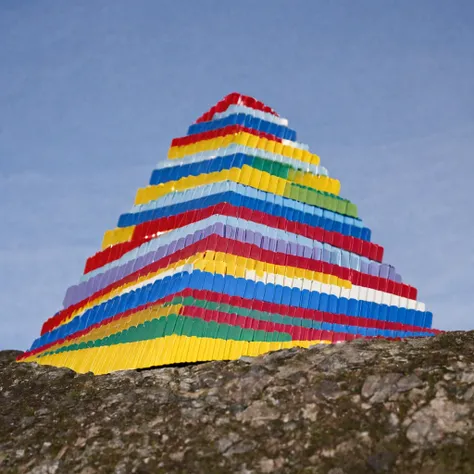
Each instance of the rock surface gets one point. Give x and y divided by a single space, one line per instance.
361 407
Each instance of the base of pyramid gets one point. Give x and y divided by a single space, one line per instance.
207 315
193 326
167 350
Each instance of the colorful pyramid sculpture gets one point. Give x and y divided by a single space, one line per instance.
240 245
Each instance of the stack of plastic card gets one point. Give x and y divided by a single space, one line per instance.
239 245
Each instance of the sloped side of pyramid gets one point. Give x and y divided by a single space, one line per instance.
239 245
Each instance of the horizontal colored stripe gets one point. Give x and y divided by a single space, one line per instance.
296 332
242 109
113 326
285 315
221 132
247 121
243 138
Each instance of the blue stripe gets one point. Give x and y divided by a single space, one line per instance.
245 120
136 218
236 160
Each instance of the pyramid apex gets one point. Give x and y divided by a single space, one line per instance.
235 98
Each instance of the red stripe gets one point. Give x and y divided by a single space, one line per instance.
297 333
305 313
234 99
221 132
146 231
221 244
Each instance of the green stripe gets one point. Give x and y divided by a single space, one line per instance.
180 325
321 199
251 313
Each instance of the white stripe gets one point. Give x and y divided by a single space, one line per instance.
242 109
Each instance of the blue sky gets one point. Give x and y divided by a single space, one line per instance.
92 92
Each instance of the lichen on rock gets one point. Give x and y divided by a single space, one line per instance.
359 407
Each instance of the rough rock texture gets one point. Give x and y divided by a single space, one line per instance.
366 406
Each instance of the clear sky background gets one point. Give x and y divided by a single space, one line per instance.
92 92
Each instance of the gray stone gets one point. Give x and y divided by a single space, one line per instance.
467 377
250 360
329 390
47 467
438 420
408 383
363 406
382 461
258 411
379 388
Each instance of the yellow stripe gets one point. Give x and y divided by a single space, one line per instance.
245 175
246 139
155 312
115 236
223 264
162 351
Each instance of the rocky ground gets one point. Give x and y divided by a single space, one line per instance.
360 407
